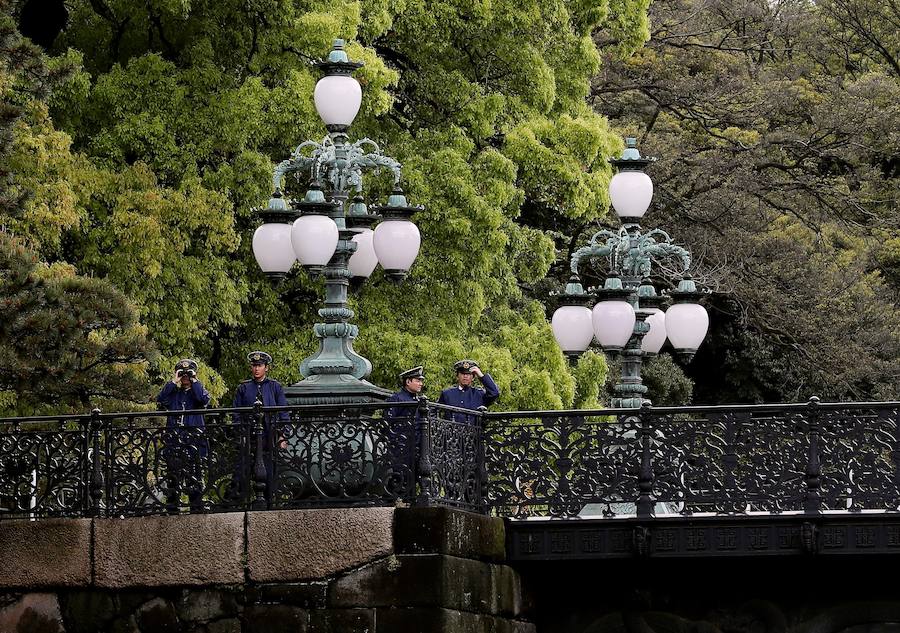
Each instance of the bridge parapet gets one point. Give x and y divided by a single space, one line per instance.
240 459
647 463
689 462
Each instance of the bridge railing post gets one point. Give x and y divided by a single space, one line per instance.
645 473
812 503
260 470
93 455
423 457
481 502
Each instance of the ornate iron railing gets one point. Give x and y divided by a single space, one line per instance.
738 460
133 464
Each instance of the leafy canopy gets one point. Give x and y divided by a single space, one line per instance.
156 152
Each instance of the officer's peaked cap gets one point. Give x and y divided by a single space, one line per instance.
186 363
259 357
464 366
415 372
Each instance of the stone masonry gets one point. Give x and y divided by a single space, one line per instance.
360 570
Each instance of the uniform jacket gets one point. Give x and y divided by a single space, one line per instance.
402 412
269 391
185 433
174 398
470 397
404 431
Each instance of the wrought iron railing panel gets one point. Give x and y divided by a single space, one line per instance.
42 470
341 458
151 466
728 462
860 451
456 461
689 461
766 459
264 458
552 464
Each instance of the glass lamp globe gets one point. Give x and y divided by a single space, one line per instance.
613 324
655 338
337 99
630 193
686 325
364 260
396 244
272 248
314 239
338 95
572 328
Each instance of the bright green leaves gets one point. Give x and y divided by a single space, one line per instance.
507 60
168 249
376 78
562 163
176 121
516 349
44 169
184 279
589 375
627 25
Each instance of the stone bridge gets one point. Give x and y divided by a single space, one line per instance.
313 519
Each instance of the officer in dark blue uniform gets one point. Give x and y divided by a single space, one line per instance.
271 394
185 446
405 427
464 395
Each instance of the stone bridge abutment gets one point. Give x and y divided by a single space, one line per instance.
414 570
354 570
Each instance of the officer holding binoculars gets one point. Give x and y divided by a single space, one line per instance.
184 441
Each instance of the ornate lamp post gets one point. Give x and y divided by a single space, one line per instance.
331 234
627 317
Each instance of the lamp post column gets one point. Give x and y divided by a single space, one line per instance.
630 389
322 233
628 308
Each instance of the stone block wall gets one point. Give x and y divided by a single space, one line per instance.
364 570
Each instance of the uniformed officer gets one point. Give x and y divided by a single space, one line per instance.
184 443
464 395
404 429
270 392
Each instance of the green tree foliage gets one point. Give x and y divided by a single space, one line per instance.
777 124
68 342
156 152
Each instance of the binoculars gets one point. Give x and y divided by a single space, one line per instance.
190 373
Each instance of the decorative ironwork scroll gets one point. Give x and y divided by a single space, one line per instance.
260 458
742 460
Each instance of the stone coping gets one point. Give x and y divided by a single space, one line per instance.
287 545
46 553
193 549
